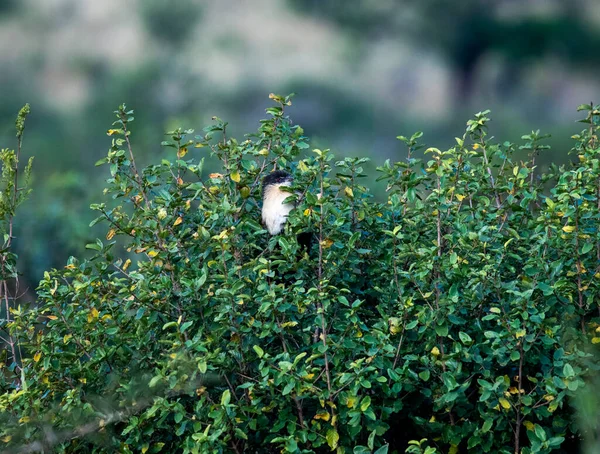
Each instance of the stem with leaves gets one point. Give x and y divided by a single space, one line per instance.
13 196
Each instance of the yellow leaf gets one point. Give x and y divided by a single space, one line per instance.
178 221
351 401
37 356
505 403
110 234
453 449
595 340
25 419
435 351
6 439
215 175
548 397
52 317
322 415
201 390
126 264
568 228
460 197
95 312
432 419
110 132
145 448
179 181
307 212
326 243
182 152
520 333
152 253
349 192
529 425
66 338
264 152
235 176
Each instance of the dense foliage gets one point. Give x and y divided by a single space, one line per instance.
460 311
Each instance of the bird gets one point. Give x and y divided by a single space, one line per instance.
275 210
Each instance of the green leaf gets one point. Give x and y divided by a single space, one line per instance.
332 438
487 425
545 288
291 445
568 371
154 381
383 449
465 338
241 434
424 375
587 247
259 351
93 246
225 398
442 330
540 432
365 403
288 388
371 440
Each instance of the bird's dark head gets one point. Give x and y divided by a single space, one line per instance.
277 177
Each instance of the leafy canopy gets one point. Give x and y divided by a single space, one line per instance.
459 310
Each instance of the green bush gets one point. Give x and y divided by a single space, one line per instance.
459 311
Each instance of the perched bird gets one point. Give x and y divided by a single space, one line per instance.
275 211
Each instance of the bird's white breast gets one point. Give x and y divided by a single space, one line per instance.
274 211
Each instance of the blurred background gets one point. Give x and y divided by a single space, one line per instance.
363 71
